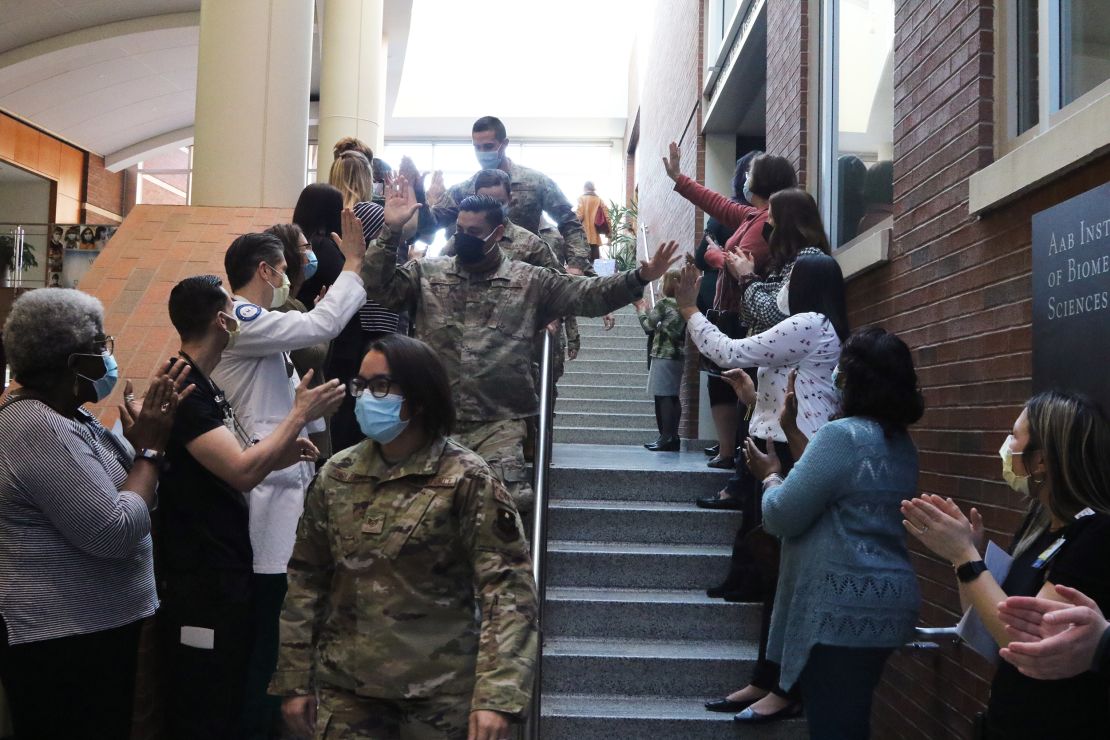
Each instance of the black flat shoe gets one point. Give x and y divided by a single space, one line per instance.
726 705
722 463
718 592
716 502
666 445
751 717
712 451
653 445
741 596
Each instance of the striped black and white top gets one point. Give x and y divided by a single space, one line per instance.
373 316
75 551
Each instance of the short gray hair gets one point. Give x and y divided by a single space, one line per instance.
46 326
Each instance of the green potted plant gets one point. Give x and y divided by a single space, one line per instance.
7 257
622 236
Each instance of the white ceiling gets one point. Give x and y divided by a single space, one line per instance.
118 77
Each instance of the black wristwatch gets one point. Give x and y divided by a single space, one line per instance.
968 572
640 278
153 456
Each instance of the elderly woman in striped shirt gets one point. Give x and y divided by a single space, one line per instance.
76 571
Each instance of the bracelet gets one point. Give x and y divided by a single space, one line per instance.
774 479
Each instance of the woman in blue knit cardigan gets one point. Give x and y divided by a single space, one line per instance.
847 596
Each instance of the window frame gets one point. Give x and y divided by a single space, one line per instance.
1068 135
870 248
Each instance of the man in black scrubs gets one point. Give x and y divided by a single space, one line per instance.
203 548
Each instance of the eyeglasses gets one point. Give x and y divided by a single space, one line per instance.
378 386
107 345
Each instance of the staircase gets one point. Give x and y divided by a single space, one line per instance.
632 645
603 395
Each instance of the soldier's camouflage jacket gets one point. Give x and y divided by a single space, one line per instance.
483 326
533 194
410 582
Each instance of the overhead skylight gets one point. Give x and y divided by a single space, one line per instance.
521 58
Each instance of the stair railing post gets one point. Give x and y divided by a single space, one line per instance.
544 434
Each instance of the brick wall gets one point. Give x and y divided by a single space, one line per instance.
958 291
788 80
104 190
670 110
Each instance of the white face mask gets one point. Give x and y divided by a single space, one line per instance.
783 299
1019 483
281 292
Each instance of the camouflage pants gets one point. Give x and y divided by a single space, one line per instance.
341 714
501 445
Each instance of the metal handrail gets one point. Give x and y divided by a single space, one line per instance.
922 634
647 257
542 464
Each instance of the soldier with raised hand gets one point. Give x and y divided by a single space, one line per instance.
534 194
411 610
481 312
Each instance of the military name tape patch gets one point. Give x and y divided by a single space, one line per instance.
247 312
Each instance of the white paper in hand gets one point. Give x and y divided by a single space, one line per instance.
971 628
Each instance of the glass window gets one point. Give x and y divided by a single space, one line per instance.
1028 72
857 183
1084 47
166 178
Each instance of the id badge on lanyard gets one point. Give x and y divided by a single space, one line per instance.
1049 553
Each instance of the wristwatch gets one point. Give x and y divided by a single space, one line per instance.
153 456
640 278
968 572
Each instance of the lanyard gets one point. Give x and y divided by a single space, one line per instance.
231 421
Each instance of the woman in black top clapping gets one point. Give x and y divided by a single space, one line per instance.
1057 456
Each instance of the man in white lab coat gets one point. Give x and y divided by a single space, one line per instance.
259 379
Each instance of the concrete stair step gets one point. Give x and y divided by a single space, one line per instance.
582 385
626 354
602 435
640 521
591 333
631 473
567 405
645 565
624 367
613 343
667 614
645 422
614 717
692 668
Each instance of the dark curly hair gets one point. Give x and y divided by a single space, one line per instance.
879 381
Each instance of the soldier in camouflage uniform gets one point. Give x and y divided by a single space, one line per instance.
517 242
411 610
481 313
569 339
533 194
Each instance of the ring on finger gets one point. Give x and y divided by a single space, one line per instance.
165 407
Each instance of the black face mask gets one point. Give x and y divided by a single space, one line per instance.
768 229
470 249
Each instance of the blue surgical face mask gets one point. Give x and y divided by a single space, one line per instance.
380 418
311 266
489 160
104 385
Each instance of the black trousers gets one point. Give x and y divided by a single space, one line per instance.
838 684
261 712
206 686
71 687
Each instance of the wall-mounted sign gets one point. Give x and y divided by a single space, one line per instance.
72 250
1071 295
